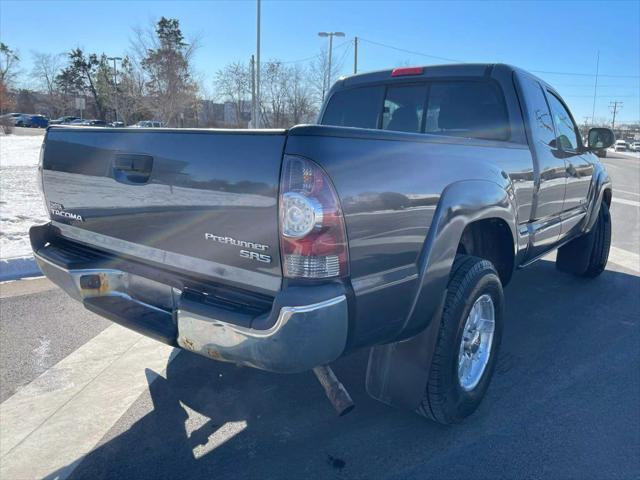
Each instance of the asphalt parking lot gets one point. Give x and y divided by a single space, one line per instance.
564 403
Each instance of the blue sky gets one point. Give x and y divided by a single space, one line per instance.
538 36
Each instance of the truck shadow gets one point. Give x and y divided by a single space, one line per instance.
563 338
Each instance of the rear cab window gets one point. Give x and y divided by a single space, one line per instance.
467 109
356 107
463 108
404 108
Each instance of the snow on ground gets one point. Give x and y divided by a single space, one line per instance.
21 202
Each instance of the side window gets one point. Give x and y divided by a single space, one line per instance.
403 108
467 109
539 114
355 107
566 136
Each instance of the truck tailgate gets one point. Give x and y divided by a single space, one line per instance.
191 200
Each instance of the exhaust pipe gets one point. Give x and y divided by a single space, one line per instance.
335 391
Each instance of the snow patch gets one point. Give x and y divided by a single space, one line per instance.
21 204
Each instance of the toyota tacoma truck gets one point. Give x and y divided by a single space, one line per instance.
392 224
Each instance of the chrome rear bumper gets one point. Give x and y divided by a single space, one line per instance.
301 336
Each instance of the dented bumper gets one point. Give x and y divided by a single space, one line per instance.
302 337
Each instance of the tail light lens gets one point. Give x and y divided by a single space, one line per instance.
313 239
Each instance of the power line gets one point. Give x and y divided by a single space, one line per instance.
576 74
306 59
347 50
410 51
547 72
591 96
581 85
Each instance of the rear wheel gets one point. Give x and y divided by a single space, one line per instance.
468 341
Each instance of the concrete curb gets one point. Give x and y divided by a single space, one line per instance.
16 268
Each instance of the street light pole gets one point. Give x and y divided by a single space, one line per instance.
330 35
355 56
115 81
257 120
595 90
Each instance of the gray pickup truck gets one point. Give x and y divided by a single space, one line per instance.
393 224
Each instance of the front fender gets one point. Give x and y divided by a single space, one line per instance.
601 183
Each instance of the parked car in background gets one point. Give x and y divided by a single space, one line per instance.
620 146
8 121
116 124
148 124
95 123
635 147
11 118
32 121
63 120
87 122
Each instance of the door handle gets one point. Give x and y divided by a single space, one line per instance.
572 170
132 168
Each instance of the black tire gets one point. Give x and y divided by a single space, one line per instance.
587 256
602 244
445 401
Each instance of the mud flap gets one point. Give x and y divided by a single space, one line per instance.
574 257
397 373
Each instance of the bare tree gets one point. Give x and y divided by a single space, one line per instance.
317 76
131 92
286 97
46 67
300 104
273 101
233 84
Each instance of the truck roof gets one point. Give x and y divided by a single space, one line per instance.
430 71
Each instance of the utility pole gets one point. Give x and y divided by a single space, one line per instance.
330 53
253 91
595 89
330 35
355 56
115 81
258 122
614 106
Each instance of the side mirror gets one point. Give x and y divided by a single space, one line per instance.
600 138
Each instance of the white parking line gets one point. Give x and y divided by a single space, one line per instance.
624 201
617 190
52 423
625 259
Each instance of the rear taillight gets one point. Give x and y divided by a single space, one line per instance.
313 239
